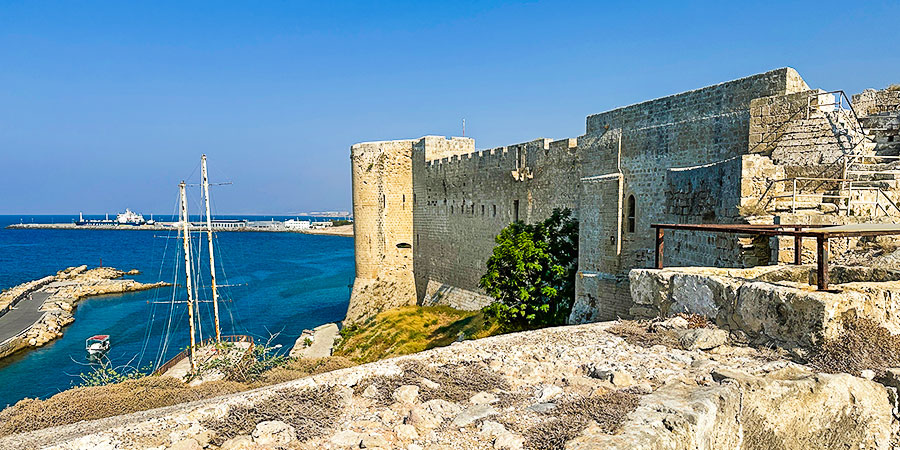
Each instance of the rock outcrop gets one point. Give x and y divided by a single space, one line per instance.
65 290
576 387
770 303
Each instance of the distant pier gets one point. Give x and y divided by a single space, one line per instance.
245 226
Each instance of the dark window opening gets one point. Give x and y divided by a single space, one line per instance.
495 210
516 210
482 210
630 216
403 245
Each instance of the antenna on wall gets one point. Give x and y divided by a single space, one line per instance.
464 127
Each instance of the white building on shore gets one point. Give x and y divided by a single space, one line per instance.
295 224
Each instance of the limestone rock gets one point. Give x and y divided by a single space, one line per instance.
346 438
473 413
618 378
423 420
186 444
702 338
407 432
406 394
370 392
491 428
509 441
274 433
548 392
672 323
429 384
374 441
483 398
242 442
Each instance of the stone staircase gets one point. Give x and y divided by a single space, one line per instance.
835 165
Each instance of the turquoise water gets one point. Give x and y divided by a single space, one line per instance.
283 283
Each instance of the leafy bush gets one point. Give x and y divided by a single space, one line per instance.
531 273
104 374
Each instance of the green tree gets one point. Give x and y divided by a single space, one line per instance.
531 273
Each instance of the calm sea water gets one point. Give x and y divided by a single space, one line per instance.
283 283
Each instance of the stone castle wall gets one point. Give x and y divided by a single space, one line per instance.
702 156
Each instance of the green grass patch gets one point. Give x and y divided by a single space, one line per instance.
411 329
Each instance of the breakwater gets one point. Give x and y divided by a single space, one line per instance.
273 227
34 313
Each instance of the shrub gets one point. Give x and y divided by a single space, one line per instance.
103 374
96 402
608 411
863 344
458 382
531 273
311 412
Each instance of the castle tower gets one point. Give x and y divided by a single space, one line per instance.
382 211
383 204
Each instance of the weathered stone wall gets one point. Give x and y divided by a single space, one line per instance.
704 156
463 201
681 158
871 101
382 210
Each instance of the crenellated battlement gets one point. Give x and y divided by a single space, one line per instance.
428 209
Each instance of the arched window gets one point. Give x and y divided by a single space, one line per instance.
631 213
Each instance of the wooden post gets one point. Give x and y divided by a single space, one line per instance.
659 248
822 261
798 249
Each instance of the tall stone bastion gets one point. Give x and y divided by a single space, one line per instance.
427 210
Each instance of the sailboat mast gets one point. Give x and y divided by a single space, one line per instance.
209 238
186 238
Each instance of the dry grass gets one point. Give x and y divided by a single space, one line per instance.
639 333
89 403
862 345
458 382
411 329
608 411
300 368
312 412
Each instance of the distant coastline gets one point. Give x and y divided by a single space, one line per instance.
340 230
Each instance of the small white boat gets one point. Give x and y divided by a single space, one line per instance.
96 345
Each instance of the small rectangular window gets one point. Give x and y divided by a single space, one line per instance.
495 211
482 210
516 210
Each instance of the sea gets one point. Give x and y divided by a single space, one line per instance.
274 286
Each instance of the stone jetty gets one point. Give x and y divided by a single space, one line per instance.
34 313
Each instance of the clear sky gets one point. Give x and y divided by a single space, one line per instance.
107 105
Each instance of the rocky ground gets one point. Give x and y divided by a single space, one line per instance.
674 384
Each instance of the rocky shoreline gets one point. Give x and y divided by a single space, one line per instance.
63 291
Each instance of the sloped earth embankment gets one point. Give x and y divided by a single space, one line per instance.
574 387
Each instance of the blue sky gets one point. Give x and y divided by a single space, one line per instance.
107 105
